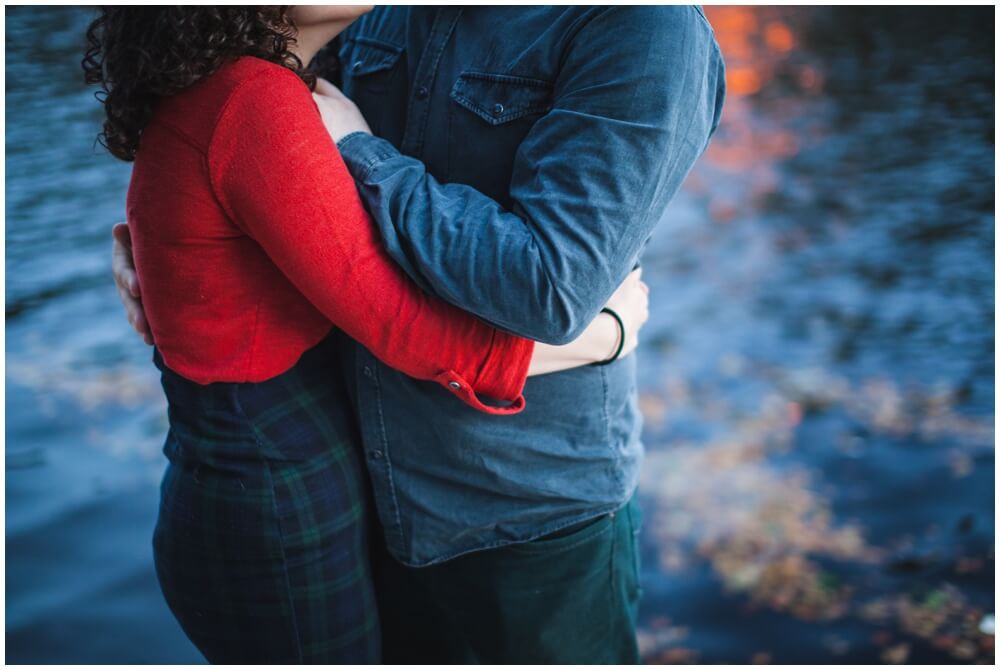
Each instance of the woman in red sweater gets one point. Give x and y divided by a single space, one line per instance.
255 255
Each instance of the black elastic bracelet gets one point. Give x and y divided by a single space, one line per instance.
621 340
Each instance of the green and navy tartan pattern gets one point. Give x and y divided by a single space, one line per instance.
261 546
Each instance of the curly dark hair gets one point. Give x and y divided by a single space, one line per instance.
139 55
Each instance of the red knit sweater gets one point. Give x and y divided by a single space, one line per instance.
250 239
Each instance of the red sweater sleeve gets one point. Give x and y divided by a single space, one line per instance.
279 177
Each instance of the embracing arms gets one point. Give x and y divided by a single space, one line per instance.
638 96
278 177
597 343
276 174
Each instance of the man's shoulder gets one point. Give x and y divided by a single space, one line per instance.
385 21
388 23
627 32
652 18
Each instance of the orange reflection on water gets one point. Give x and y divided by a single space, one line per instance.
754 42
763 63
742 81
779 37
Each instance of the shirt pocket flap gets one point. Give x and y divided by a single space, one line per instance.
364 55
499 98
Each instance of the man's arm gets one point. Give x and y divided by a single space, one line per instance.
637 99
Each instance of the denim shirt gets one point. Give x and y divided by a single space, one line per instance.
521 157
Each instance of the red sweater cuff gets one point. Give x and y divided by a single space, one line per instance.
505 369
501 376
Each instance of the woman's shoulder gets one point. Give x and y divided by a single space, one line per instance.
241 88
244 67
254 74
248 89
246 82
245 72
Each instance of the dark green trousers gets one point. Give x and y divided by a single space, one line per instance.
569 597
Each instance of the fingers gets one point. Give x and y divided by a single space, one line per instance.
323 87
142 327
120 232
127 281
639 296
631 302
135 315
631 282
645 301
122 265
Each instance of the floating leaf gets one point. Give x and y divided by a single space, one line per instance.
896 654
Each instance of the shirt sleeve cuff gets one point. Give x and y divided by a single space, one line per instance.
362 152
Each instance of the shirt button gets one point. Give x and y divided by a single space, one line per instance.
497 109
357 65
422 92
369 372
455 385
376 455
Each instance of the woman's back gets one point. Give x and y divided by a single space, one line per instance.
219 307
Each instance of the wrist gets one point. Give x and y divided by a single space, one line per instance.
618 337
601 339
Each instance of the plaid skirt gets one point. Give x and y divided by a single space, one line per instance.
260 546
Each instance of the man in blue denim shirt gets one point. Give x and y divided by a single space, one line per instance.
520 159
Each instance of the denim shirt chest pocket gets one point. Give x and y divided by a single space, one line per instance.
372 69
490 115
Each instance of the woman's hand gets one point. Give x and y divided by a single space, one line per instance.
127 281
600 340
340 116
631 302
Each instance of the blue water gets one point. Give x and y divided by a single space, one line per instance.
817 377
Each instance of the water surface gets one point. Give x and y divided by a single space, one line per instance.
817 375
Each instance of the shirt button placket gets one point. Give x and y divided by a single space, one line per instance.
375 443
420 99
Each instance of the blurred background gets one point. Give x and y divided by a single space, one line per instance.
817 375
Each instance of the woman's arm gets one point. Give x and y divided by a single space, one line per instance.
279 177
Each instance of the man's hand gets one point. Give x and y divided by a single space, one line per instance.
123 268
340 116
